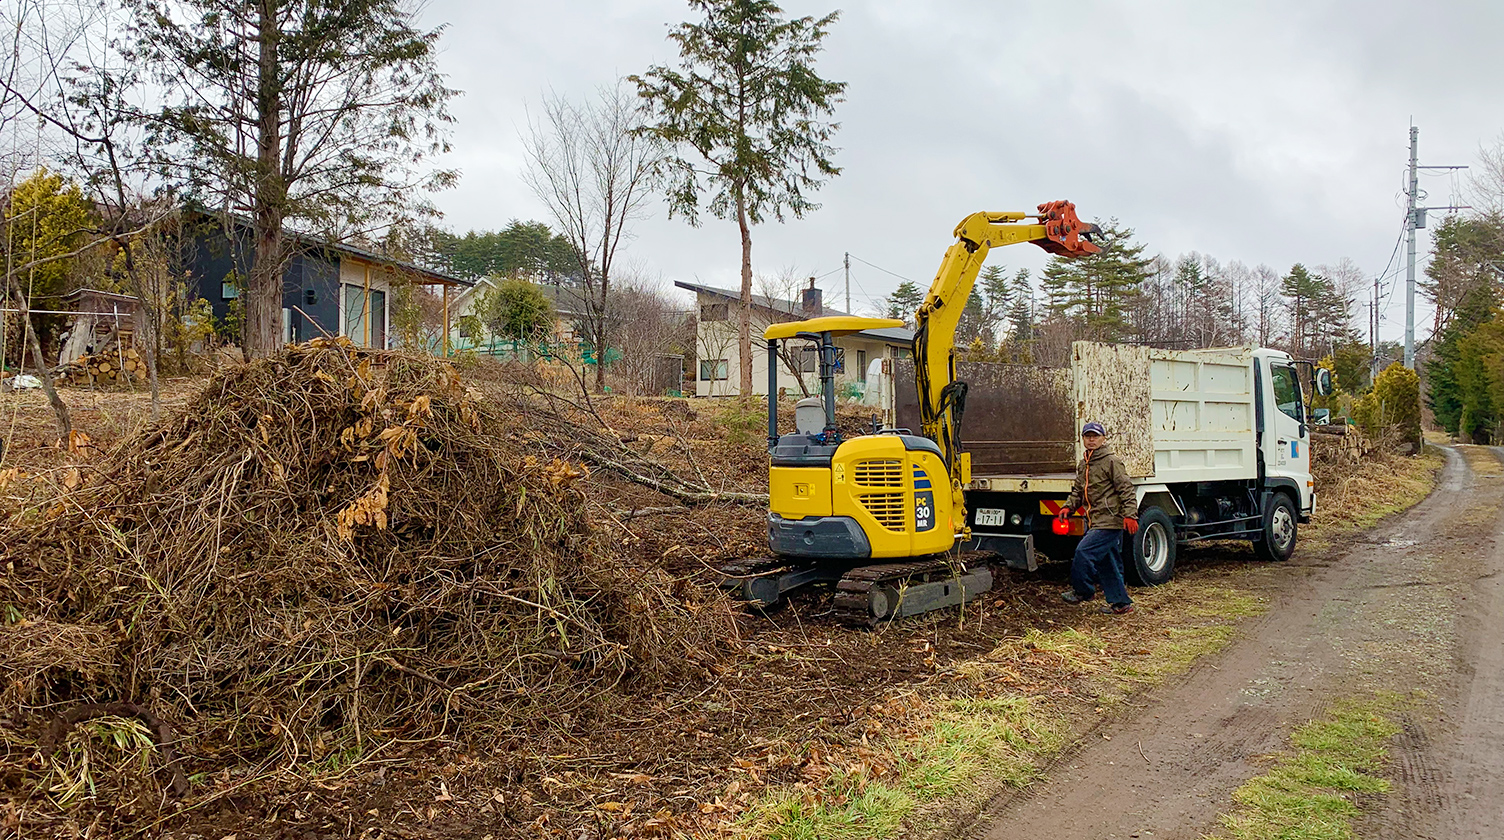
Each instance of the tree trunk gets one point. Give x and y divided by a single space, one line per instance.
744 328
59 408
601 338
263 303
150 321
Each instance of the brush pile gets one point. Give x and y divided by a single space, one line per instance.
336 546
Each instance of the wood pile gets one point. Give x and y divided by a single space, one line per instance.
108 368
1339 443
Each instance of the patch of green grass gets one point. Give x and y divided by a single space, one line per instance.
1309 794
1209 616
1002 736
852 810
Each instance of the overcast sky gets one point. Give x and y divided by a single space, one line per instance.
1266 132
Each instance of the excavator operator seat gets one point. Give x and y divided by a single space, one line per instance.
809 416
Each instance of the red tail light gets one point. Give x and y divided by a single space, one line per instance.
1061 527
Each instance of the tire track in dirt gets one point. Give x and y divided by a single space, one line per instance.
1338 625
1450 766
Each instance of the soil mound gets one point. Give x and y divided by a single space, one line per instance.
333 546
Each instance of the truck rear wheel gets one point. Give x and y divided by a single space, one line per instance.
1277 542
1153 558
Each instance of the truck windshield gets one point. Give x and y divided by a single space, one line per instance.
1286 390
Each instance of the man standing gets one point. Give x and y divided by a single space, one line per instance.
1110 502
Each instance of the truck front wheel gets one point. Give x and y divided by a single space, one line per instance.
1277 542
1153 559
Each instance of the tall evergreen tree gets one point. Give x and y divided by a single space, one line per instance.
1446 372
1096 290
748 119
1303 291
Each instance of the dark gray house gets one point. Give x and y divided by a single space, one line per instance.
327 288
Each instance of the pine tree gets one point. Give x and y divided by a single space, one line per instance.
1096 290
904 302
1021 312
1444 372
1308 296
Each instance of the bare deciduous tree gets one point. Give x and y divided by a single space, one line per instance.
648 327
592 170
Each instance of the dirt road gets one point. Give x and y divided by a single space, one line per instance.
1417 604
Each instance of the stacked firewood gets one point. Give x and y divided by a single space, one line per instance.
109 368
1339 443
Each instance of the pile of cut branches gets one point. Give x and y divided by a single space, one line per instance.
335 547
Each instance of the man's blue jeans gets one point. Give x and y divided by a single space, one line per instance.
1099 562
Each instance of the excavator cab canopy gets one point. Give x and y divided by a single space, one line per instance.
836 325
822 331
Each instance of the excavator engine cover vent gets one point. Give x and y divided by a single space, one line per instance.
880 473
886 508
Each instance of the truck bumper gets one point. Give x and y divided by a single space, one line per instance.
836 537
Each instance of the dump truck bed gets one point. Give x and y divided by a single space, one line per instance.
1171 415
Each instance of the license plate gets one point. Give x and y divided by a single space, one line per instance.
992 516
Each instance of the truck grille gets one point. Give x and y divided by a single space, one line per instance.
883 473
886 508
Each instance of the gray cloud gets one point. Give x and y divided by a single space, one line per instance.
1269 132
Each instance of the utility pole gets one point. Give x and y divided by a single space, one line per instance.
848 282
1373 333
1415 217
1410 225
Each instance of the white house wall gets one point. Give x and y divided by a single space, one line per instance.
721 337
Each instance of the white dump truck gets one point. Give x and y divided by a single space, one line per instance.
1217 442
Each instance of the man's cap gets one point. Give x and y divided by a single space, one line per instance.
1093 428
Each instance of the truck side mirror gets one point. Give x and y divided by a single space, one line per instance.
1322 381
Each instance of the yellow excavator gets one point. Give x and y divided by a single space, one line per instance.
879 514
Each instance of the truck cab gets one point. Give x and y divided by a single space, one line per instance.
1283 429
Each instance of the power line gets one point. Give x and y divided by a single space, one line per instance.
883 270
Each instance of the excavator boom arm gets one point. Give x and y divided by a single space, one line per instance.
942 398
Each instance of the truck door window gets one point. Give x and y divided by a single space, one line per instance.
1286 390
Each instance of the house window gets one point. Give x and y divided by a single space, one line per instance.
810 361
229 288
712 369
365 325
861 365
714 312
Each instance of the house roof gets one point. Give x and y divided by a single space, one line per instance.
566 299
890 335
113 297
434 278
431 277
779 305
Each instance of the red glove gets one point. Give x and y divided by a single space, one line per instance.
1130 524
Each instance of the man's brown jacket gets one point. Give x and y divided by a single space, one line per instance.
1103 488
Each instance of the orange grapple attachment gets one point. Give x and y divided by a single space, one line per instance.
1065 230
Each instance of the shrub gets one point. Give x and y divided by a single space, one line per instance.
1392 407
